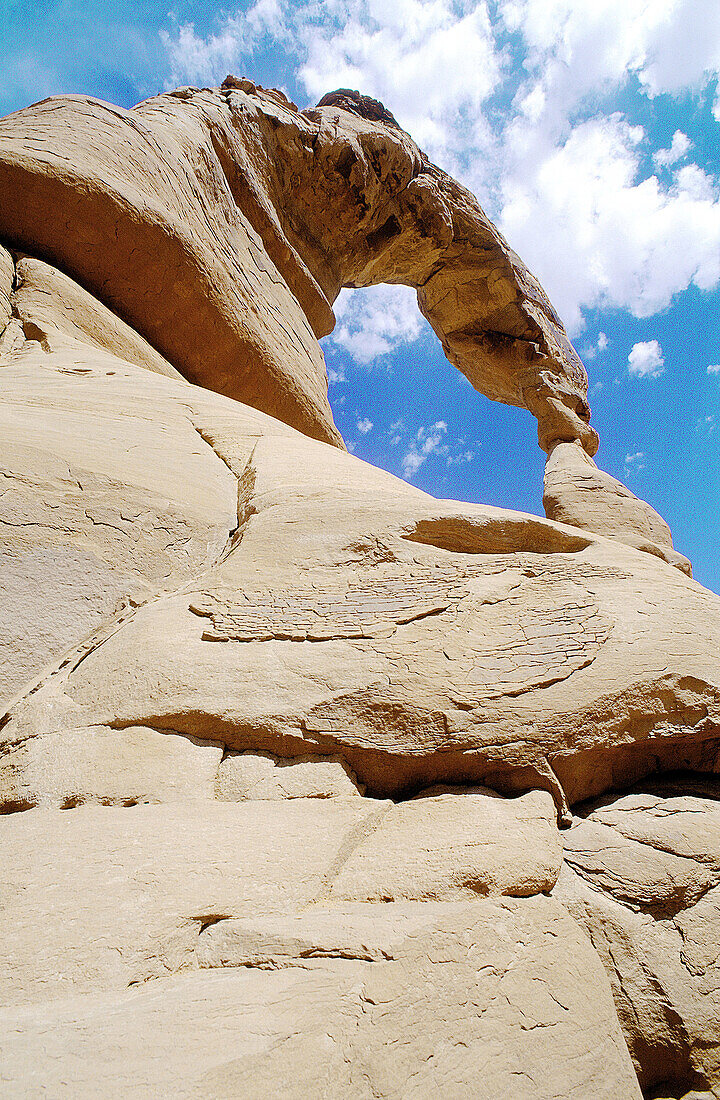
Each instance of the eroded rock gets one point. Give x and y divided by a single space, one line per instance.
384 1000
225 641
642 875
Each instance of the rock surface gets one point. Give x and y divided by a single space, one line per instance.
285 742
578 493
229 189
204 960
642 875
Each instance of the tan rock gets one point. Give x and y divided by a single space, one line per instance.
683 826
441 989
105 505
227 318
648 879
7 275
579 494
456 844
243 775
73 768
216 611
646 886
101 897
230 190
294 601
52 304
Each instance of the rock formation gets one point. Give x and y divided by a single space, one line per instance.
286 742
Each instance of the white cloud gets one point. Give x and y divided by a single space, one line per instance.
714 368
200 61
572 199
706 424
679 147
411 463
589 350
336 377
375 321
364 426
646 360
460 458
427 441
634 463
567 185
668 44
597 237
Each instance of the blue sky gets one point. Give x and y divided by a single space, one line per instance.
591 134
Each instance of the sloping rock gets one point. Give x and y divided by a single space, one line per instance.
273 610
578 493
111 495
228 318
113 767
642 875
454 844
7 275
485 999
102 897
50 305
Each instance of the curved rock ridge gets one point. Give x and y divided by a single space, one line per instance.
312 785
220 199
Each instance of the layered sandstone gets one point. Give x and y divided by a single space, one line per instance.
285 741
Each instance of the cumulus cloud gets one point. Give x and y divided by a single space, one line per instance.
668 45
599 236
364 426
376 321
646 360
714 368
568 183
677 150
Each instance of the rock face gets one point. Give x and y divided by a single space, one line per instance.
285 742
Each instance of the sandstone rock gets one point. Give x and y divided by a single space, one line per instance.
230 190
651 881
7 275
101 897
390 1000
579 494
49 304
112 495
243 775
421 641
646 886
456 844
228 632
228 317
114 767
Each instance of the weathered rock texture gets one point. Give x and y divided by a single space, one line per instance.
285 742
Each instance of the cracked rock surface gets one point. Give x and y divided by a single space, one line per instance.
285 743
